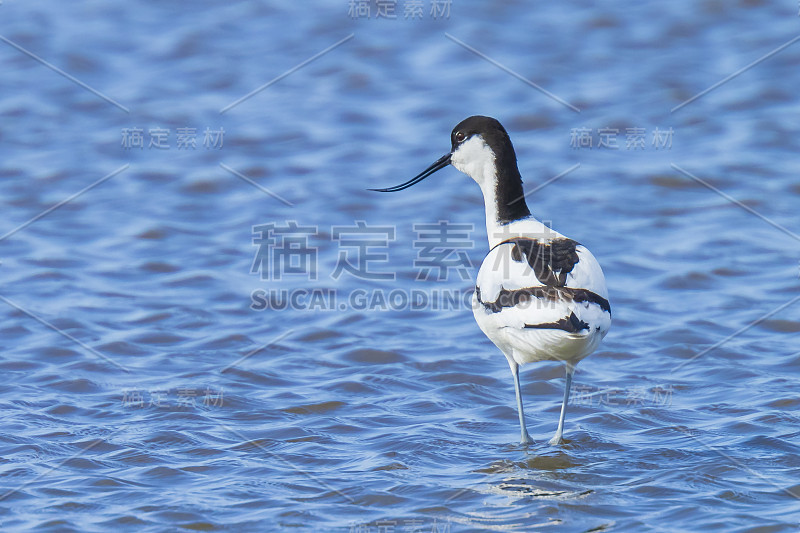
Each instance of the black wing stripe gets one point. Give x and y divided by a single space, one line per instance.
507 298
571 324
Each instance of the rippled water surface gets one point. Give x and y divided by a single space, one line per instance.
142 391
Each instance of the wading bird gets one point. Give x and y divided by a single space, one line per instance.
539 296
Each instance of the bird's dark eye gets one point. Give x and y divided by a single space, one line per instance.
460 136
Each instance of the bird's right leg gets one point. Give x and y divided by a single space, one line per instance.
526 439
557 439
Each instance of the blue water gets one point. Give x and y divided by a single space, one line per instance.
144 390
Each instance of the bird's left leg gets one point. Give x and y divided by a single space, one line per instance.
557 437
525 438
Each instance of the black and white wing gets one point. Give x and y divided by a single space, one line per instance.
537 294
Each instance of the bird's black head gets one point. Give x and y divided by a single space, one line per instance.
490 129
469 141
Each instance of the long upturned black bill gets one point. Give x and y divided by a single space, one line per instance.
438 165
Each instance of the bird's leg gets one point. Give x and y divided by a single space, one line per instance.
526 439
557 437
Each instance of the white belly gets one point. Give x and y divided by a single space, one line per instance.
531 345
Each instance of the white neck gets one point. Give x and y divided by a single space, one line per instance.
494 230
528 227
476 159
